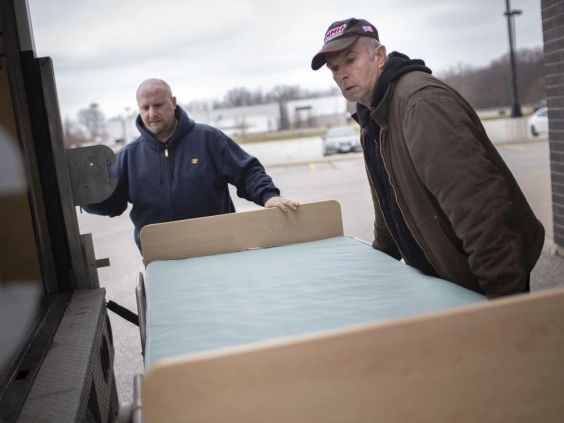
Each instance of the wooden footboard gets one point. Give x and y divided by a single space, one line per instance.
501 361
241 231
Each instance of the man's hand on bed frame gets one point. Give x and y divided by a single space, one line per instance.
282 203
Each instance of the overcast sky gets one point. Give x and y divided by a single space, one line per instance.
102 50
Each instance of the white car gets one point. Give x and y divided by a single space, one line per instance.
538 122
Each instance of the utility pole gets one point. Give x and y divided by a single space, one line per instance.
516 109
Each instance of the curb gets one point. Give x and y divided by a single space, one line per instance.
331 158
550 247
521 141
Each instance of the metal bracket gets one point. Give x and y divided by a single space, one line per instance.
89 173
92 263
141 298
90 260
105 262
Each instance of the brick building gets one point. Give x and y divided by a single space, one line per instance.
553 35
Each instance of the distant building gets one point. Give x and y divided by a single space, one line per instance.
121 129
320 112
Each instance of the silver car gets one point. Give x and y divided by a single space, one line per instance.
341 140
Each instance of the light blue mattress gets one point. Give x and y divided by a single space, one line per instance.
211 302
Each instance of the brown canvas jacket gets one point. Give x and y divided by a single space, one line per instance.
450 182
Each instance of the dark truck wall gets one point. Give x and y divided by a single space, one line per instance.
19 259
60 366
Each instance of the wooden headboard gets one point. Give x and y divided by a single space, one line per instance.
241 231
501 361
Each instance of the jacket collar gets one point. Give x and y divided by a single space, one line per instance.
379 113
397 65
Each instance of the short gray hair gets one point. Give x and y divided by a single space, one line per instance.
371 45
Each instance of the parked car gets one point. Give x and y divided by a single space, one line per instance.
538 122
341 140
540 105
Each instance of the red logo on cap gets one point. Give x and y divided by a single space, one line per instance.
335 32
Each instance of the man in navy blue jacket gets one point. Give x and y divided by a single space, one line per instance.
178 169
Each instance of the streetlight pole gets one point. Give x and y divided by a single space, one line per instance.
516 109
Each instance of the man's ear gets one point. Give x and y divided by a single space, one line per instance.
174 101
381 56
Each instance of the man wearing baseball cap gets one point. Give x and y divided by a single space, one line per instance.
444 199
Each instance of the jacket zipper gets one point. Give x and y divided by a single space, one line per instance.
169 183
397 202
380 204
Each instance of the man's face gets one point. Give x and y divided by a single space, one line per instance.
354 72
156 108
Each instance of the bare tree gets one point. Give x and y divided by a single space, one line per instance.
490 86
74 135
197 106
258 97
531 75
241 124
94 121
237 97
285 93
242 96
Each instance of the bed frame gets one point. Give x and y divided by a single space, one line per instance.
493 362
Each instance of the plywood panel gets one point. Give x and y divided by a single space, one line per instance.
241 231
18 254
497 362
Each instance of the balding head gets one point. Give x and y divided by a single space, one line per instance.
153 83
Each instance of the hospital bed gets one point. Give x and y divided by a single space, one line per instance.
278 317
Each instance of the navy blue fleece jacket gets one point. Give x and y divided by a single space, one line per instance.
184 178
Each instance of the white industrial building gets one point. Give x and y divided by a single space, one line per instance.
317 112
320 112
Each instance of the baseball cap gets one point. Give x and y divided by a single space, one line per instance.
340 35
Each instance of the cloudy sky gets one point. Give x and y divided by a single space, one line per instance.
103 49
